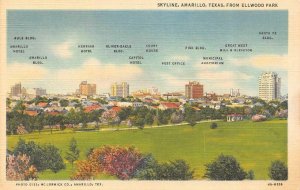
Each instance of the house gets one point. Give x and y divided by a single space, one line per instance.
116 109
53 112
31 112
137 104
42 104
168 105
234 117
92 108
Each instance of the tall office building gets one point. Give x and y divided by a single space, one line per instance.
120 90
16 90
269 86
87 89
193 90
40 91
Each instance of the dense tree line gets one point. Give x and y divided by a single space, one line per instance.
31 123
138 117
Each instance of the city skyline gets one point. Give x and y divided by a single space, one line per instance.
65 67
192 89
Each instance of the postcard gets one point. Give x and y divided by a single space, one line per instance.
150 95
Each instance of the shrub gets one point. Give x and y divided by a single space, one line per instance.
225 168
118 161
213 125
250 175
278 171
174 170
19 168
257 118
150 169
147 168
85 170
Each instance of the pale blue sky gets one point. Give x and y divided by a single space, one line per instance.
170 30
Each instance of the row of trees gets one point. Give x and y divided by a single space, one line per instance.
27 159
128 163
135 116
16 118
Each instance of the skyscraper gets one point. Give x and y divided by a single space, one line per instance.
87 89
120 90
16 90
193 90
40 91
269 86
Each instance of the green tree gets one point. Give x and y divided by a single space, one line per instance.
177 117
20 107
73 117
12 122
284 105
150 169
174 170
278 170
225 168
73 153
52 158
162 117
191 119
51 121
64 102
95 116
39 122
147 168
149 118
8 102
42 157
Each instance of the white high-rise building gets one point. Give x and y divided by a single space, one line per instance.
269 86
152 90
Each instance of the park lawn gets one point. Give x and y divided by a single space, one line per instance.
254 144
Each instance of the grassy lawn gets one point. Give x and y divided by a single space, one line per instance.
254 145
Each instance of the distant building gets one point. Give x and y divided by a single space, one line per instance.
16 90
120 90
172 95
87 89
211 96
168 105
269 86
34 92
153 90
40 91
234 117
235 92
193 90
